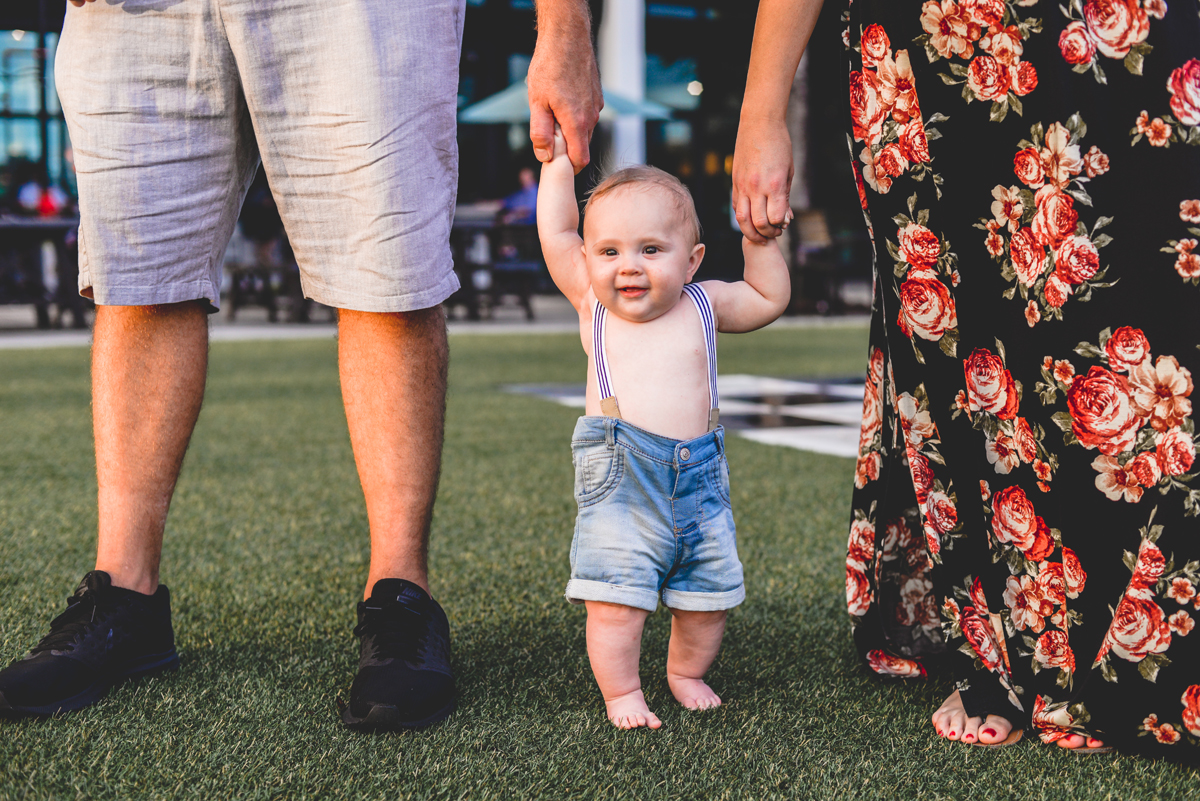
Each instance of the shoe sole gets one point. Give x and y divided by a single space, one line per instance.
149 665
387 718
1013 738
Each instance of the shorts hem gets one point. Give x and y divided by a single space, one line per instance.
182 292
413 301
580 590
703 601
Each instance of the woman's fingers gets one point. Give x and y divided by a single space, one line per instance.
741 211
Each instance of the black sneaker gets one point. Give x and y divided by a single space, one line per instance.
404 679
108 634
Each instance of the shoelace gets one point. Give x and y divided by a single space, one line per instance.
81 616
397 629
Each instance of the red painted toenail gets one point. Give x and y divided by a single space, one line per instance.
990 732
952 734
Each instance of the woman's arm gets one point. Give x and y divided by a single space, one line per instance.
762 160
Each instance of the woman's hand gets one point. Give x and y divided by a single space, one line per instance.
762 178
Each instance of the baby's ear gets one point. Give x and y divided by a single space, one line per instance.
695 259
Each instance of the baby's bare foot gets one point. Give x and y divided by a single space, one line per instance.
693 693
629 711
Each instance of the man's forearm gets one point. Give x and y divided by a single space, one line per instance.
563 17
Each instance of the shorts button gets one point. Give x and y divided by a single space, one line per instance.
685 454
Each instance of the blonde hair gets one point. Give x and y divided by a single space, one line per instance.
645 175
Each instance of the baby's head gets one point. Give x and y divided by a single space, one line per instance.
641 241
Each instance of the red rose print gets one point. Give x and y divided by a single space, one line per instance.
990 387
1053 721
1051 582
1102 413
1043 543
926 307
1028 256
1076 260
1116 25
1055 218
1027 165
866 107
875 45
1184 85
940 512
1076 46
978 631
1175 451
1145 469
1026 443
1053 650
1027 605
1095 162
1013 518
1160 392
1149 568
858 591
985 12
862 190
1032 313
988 78
1057 291
1189 211
1075 577
861 547
890 161
1139 629
977 597
919 246
985 490
1022 78
1191 709
922 475
913 144
887 665
1126 348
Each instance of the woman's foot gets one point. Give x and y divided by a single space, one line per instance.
629 711
951 722
1073 741
693 693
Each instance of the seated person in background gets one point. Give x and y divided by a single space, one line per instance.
651 480
520 208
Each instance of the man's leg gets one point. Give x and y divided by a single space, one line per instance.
393 372
148 369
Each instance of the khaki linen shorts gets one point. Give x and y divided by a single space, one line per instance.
350 104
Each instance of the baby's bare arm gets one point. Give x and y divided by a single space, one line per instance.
759 299
558 224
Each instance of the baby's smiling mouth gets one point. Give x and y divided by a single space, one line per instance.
632 291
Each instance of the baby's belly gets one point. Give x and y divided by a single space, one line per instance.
672 417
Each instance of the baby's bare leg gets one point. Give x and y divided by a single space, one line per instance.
614 641
695 640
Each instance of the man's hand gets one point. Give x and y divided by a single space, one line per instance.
762 178
564 83
79 3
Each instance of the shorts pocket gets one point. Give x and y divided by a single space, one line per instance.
720 480
597 472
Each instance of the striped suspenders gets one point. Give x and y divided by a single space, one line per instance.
608 398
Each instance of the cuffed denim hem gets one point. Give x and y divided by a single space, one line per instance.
703 601
580 590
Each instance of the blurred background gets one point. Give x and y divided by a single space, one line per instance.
673 72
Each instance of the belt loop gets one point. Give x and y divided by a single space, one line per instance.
610 438
720 443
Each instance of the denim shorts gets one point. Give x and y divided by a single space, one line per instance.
351 106
654 520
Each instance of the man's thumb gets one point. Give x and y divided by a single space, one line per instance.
541 132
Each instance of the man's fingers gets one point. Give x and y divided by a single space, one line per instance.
758 216
578 147
778 210
741 211
541 132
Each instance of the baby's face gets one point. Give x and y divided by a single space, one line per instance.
639 252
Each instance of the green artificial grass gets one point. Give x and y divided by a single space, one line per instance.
266 549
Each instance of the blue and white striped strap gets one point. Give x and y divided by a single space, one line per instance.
599 320
708 320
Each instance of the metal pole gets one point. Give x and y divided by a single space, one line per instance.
44 101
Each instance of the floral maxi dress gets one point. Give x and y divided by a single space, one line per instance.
1026 494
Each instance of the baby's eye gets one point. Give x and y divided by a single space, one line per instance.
610 252
651 249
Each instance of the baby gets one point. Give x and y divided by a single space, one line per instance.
651 480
